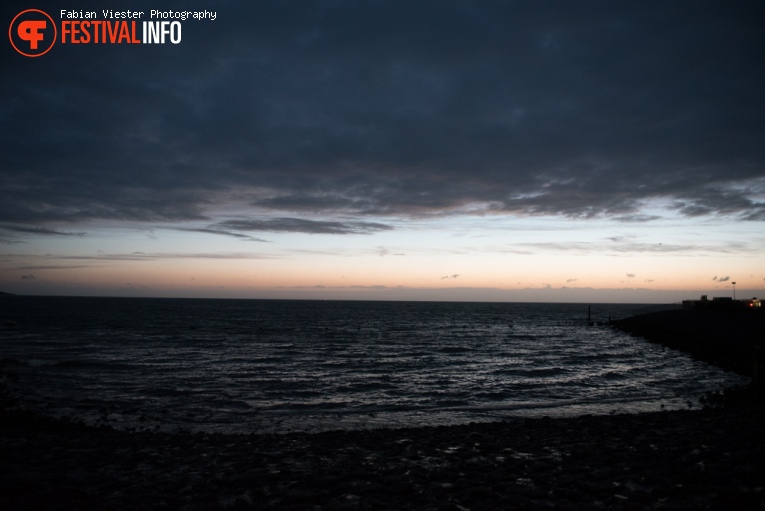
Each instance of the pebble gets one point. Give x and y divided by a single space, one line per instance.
668 460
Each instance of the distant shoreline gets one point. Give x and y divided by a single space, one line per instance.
583 303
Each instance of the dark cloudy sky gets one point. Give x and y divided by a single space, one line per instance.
558 150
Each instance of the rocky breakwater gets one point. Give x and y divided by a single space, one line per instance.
731 340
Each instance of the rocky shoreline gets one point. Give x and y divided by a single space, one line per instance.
705 459
711 458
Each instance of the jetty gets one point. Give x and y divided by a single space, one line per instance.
727 334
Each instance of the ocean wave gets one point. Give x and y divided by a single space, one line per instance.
252 364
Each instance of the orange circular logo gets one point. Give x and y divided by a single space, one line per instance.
32 33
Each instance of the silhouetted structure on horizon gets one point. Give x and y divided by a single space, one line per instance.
722 303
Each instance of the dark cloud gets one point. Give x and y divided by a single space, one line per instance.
636 218
38 230
222 232
721 279
315 111
135 256
302 225
727 201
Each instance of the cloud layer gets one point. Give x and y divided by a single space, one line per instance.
302 116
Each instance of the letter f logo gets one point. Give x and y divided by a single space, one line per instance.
30 31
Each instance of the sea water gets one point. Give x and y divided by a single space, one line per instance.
262 366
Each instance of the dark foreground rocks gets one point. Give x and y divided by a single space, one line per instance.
707 459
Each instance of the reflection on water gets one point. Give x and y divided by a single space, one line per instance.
261 365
